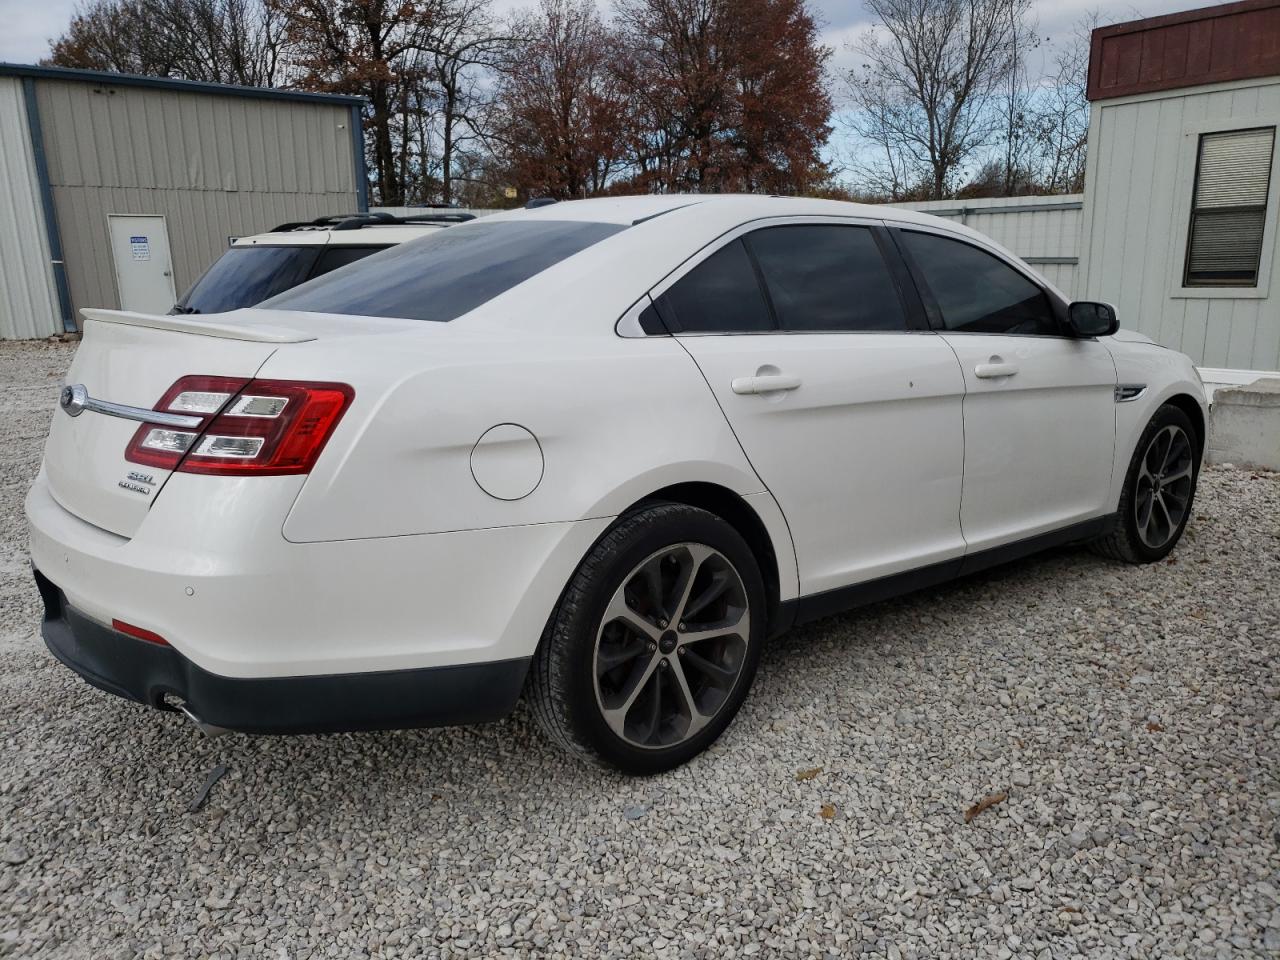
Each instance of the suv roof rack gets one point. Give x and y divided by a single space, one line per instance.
435 218
354 221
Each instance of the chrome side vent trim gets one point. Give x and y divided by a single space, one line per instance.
1126 392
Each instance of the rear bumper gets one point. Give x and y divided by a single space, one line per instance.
382 700
209 571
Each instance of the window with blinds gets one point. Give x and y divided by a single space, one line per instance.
1229 208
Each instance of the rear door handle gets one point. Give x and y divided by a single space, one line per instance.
764 384
994 370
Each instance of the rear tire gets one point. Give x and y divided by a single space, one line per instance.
1159 491
654 644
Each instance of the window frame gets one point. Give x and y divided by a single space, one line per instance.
912 305
1265 208
1188 159
1057 303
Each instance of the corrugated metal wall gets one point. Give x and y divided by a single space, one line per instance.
28 299
213 166
1044 231
1142 158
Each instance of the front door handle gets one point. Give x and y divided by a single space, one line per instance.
995 369
764 384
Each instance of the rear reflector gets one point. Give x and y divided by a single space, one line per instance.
138 632
259 427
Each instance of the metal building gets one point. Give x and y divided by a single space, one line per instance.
117 191
1182 190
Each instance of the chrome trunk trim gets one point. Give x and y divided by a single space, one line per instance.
75 400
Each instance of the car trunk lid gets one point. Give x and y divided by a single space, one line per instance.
132 359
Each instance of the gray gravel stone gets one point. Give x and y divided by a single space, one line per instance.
1133 841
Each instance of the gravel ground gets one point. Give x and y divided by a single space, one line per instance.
1128 715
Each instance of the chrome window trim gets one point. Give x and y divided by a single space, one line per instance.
628 324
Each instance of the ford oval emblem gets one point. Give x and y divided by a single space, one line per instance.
73 399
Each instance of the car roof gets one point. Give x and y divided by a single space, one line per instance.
371 235
744 206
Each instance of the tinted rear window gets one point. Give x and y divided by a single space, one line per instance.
444 275
244 276
335 257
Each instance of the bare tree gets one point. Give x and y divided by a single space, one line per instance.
925 92
217 41
467 46
1061 118
1016 107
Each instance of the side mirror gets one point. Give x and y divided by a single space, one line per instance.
1087 318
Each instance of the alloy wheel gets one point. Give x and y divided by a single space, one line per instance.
1164 486
671 645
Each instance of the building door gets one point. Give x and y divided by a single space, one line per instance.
144 270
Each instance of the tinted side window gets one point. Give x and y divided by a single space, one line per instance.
335 257
975 291
827 278
719 295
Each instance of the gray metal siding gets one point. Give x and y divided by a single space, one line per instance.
213 166
28 299
1141 165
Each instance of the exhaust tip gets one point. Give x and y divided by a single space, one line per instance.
208 729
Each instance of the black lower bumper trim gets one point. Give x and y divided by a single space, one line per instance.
330 703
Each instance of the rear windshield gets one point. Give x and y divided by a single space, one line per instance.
446 274
244 276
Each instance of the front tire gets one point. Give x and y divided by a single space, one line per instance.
655 642
1159 490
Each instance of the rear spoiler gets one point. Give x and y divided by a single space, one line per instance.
225 328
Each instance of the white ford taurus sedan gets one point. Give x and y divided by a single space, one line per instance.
596 453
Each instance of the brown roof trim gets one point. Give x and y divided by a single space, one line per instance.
1232 41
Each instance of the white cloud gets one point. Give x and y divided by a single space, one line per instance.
30 26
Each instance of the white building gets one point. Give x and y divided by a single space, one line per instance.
1179 220
1182 194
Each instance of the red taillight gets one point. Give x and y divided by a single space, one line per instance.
256 427
139 633
159 446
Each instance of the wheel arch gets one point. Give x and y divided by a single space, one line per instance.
1191 407
736 511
